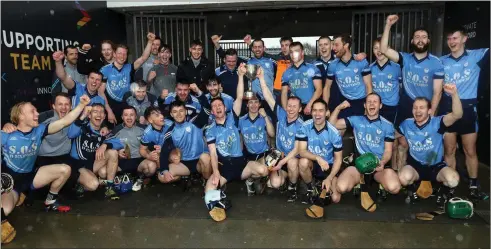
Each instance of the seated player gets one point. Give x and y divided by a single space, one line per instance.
92 154
188 139
288 123
255 127
19 152
320 147
227 160
424 134
140 99
130 133
374 134
153 139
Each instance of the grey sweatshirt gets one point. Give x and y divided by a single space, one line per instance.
55 144
130 136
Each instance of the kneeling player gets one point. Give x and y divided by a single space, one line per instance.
319 145
93 155
188 138
223 140
374 134
424 135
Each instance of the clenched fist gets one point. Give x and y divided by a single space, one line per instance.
58 56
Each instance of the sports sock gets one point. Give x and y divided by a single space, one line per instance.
292 186
473 182
310 185
51 198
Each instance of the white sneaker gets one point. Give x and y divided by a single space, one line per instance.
137 186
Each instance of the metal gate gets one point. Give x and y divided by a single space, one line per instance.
366 26
176 31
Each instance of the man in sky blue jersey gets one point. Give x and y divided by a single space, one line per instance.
152 140
375 134
92 154
302 79
462 67
267 64
255 128
422 76
320 148
19 152
77 89
223 139
288 123
424 135
118 76
187 137
352 77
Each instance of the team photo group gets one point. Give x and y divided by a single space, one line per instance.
272 120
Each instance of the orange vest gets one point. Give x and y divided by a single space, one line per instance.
281 67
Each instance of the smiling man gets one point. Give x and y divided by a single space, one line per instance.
196 68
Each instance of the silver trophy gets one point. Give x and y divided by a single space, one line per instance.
251 74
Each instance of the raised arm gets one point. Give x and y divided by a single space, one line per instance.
367 79
146 53
326 92
384 44
268 96
240 90
457 111
56 126
340 124
60 70
269 124
437 95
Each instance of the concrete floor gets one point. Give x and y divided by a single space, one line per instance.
71 231
48 230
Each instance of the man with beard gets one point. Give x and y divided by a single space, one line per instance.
352 77
373 134
130 133
424 135
422 76
71 56
268 66
213 86
303 80
153 59
163 75
182 93
93 154
462 67
94 61
283 62
322 62
288 123
118 77
320 147
77 89
196 68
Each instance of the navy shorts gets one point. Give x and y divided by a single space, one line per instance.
389 113
192 165
231 167
130 165
48 160
467 124
255 157
427 172
356 108
318 173
77 164
22 181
